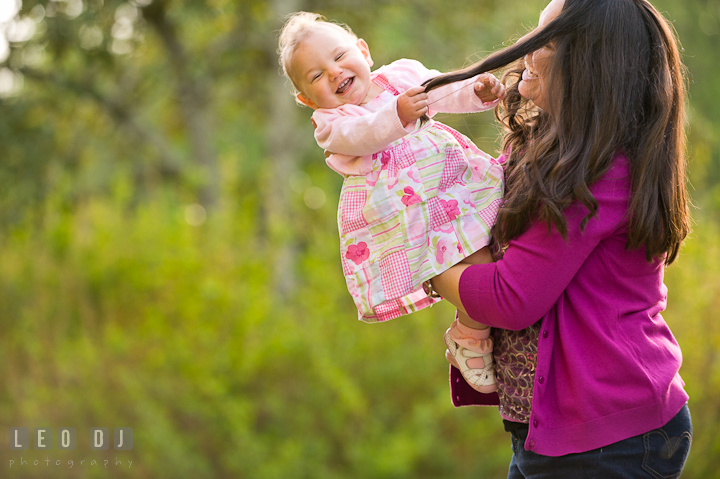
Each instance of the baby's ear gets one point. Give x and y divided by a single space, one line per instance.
305 100
365 50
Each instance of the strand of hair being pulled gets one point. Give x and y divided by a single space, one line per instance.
451 93
425 118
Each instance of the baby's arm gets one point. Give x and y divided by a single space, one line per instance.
351 130
488 88
458 97
412 104
472 95
349 165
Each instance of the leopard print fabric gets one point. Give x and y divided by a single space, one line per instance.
515 355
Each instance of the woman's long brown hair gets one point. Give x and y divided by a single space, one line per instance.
616 85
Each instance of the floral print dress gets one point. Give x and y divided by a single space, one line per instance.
429 201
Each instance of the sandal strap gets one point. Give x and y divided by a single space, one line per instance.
480 377
472 354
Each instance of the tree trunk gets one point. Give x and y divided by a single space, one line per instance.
193 95
282 147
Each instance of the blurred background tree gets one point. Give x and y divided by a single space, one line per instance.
168 251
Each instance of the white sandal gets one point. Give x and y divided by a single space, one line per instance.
483 379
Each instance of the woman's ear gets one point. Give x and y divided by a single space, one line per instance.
305 100
365 50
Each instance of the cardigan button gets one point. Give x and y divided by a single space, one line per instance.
541 380
532 443
535 423
545 334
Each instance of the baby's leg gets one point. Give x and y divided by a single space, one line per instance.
469 343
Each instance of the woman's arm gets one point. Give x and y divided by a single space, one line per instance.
538 265
447 283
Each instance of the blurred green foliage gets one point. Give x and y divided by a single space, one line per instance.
169 261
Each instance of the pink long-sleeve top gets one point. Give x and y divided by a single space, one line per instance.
607 363
352 132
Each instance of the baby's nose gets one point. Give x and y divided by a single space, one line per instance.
335 71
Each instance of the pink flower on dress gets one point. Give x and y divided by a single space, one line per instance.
480 164
372 177
451 208
384 159
443 249
446 228
413 175
358 253
477 174
460 250
410 197
392 178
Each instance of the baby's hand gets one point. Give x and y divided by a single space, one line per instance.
488 88
412 104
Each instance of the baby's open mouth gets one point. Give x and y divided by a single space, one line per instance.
345 85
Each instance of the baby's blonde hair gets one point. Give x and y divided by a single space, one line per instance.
296 28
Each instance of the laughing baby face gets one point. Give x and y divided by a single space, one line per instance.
331 68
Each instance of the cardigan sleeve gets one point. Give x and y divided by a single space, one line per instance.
538 265
348 165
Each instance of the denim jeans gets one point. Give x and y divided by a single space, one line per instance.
658 454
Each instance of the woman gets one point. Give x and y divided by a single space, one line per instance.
595 207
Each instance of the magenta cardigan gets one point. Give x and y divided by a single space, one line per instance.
607 363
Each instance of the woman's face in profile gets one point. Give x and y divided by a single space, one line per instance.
535 83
